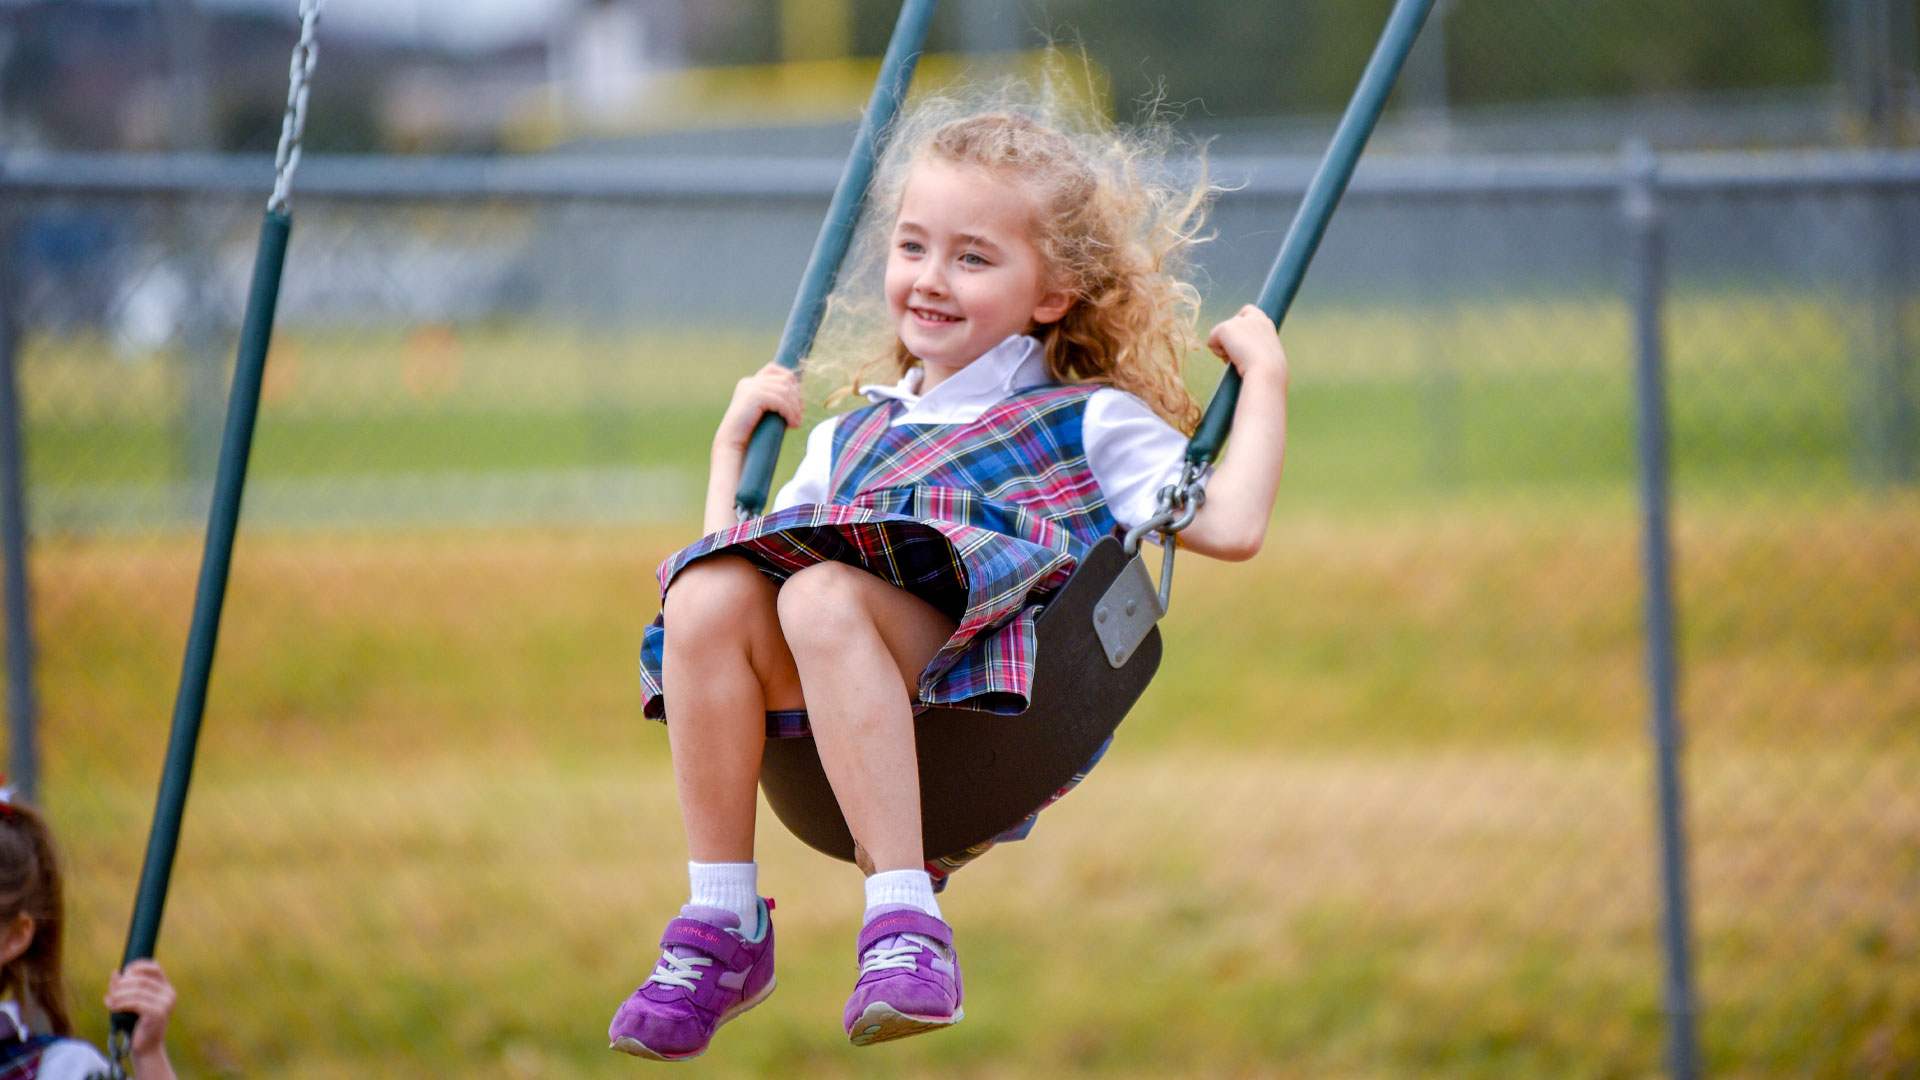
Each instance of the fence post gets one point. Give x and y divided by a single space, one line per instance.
22 710
1648 253
1888 450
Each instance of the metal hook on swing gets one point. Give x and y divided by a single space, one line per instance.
1131 605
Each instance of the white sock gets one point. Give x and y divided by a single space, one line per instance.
730 886
911 887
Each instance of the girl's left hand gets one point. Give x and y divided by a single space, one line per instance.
142 988
1251 343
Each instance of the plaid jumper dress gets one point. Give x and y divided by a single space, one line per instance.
982 520
20 1057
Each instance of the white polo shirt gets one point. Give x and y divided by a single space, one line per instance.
1132 452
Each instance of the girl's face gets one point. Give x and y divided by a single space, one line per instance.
963 272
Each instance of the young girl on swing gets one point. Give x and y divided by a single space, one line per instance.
1036 321
36 1031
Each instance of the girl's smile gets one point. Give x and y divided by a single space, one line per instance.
963 273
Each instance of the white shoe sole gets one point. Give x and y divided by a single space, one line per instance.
641 1050
882 1022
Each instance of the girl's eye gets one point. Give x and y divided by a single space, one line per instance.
973 258
911 247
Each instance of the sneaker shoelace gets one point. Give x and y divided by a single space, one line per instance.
890 958
679 971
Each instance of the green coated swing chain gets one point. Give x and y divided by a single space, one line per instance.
254 337
1179 502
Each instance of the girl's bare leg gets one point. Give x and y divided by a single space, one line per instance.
726 664
859 645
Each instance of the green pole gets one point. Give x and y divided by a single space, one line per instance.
1316 210
836 233
243 406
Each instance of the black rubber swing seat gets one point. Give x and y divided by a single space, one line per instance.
982 773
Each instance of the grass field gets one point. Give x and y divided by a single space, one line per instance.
1385 813
1372 825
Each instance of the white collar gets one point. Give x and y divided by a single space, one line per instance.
10 1010
1014 364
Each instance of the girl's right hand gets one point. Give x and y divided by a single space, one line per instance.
772 389
142 989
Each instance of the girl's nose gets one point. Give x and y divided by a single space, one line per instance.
931 281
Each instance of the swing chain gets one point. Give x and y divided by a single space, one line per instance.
1179 504
294 124
119 1054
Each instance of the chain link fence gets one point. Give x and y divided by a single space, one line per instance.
1389 809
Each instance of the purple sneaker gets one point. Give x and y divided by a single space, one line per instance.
905 988
709 973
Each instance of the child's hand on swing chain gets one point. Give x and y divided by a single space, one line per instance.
1251 343
1232 524
142 988
772 389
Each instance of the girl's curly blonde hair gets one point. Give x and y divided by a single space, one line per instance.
1114 222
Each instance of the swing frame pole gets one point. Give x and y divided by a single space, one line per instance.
836 235
1316 209
223 519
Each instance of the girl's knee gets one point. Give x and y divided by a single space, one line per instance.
819 603
717 595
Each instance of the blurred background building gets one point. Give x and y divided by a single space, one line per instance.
441 75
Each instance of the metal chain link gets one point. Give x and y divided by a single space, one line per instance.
1179 503
294 123
119 1055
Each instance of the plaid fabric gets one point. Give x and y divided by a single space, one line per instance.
982 520
20 1058
788 724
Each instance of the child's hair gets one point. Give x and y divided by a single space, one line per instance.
1114 221
30 883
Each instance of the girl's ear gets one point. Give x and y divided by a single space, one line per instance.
1053 306
15 939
